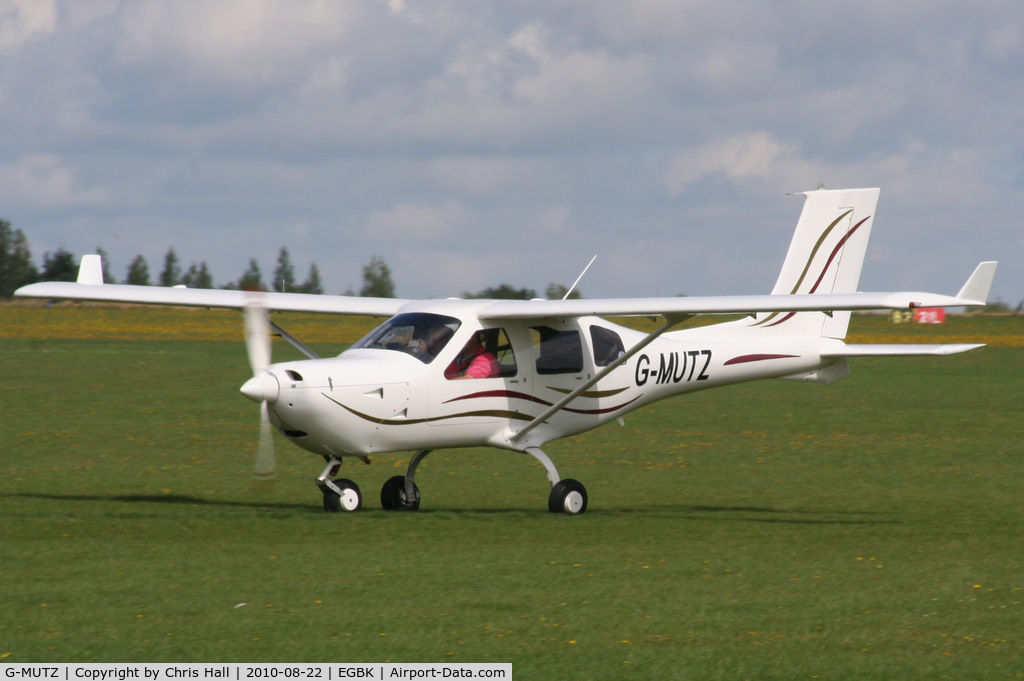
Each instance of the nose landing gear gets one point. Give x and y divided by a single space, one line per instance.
341 494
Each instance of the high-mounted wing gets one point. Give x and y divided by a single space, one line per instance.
90 286
973 292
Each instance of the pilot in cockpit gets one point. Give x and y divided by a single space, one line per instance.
434 342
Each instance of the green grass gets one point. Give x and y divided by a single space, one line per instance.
772 530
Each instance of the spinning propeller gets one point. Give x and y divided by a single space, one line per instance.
262 387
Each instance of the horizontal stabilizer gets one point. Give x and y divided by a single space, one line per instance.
899 350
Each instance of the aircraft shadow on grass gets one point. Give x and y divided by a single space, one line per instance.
750 514
164 499
778 515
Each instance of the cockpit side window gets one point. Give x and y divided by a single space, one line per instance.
607 345
487 354
557 352
419 334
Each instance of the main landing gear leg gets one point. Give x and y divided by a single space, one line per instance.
341 494
400 493
567 496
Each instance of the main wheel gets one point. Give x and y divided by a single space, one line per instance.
394 498
568 496
351 499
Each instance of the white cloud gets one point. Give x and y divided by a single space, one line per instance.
585 81
24 20
440 273
44 180
525 85
490 176
759 162
1004 42
554 220
416 223
248 41
755 156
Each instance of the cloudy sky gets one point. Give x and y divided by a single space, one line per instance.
472 143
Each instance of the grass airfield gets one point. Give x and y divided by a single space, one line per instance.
772 530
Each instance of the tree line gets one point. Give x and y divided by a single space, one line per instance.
18 269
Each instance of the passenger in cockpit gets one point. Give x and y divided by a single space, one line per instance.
475 361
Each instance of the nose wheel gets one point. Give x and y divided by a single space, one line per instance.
340 495
344 497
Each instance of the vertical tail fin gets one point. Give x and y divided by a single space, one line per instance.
825 256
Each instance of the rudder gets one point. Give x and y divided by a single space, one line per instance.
825 256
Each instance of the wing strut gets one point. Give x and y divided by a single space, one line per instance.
295 342
670 321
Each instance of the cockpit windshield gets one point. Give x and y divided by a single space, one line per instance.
419 334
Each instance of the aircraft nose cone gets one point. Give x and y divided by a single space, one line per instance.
263 387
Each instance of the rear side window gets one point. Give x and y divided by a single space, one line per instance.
557 352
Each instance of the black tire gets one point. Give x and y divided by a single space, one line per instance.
392 495
568 496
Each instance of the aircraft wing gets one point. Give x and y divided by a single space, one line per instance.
194 297
973 292
90 287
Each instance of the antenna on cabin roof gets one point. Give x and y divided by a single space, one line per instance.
573 287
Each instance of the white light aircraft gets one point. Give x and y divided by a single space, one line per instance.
545 369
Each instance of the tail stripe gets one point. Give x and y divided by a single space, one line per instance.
814 252
835 252
824 270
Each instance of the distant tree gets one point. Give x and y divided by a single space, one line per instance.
16 268
138 272
198 276
377 279
171 274
557 292
997 307
205 277
59 267
284 274
105 264
252 279
504 292
312 283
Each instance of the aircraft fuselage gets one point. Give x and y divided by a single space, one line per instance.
383 399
